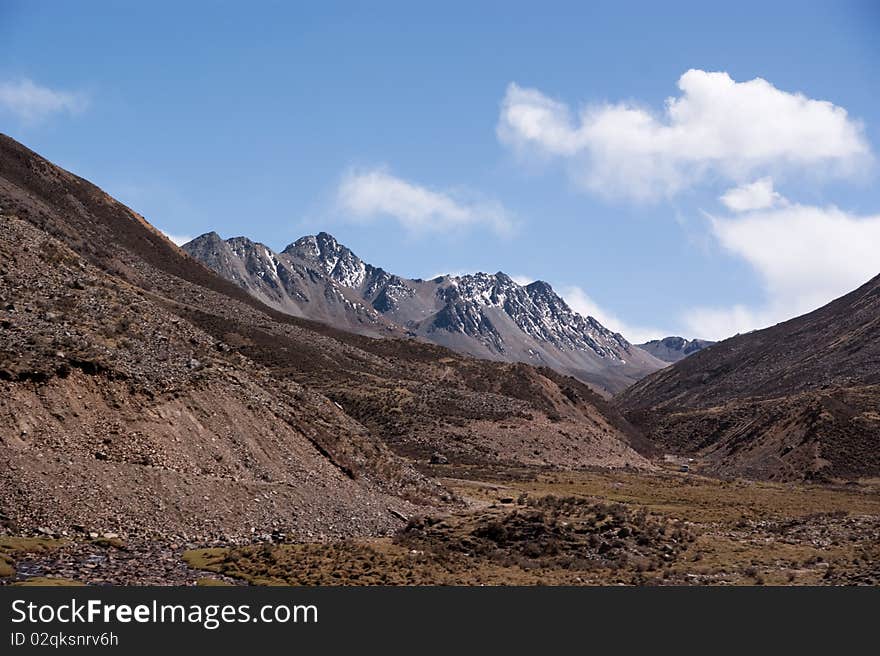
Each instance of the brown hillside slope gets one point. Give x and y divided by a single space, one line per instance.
798 399
116 414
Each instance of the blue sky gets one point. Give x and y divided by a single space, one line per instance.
537 140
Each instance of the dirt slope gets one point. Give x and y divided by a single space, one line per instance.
118 415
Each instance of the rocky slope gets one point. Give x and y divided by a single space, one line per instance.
145 395
118 415
673 349
796 400
485 315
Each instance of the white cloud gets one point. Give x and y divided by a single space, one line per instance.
180 240
522 281
32 102
756 195
579 301
717 126
451 274
719 323
376 193
804 256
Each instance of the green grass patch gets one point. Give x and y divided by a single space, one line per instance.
209 582
49 581
10 547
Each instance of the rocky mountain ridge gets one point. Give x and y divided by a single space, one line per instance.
485 315
673 349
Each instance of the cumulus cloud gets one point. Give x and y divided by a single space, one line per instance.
757 195
716 126
717 323
180 240
805 256
579 301
451 274
376 194
32 102
522 280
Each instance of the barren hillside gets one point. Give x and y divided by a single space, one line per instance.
796 400
144 394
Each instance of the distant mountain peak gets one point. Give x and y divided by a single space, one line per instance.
674 348
540 286
484 314
332 258
321 246
207 239
211 236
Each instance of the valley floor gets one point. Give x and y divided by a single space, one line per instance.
530 527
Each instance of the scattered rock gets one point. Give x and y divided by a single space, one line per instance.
399 515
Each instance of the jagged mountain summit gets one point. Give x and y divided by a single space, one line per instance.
313 279
485 315
673 349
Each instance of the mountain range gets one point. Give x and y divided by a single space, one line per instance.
484 315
